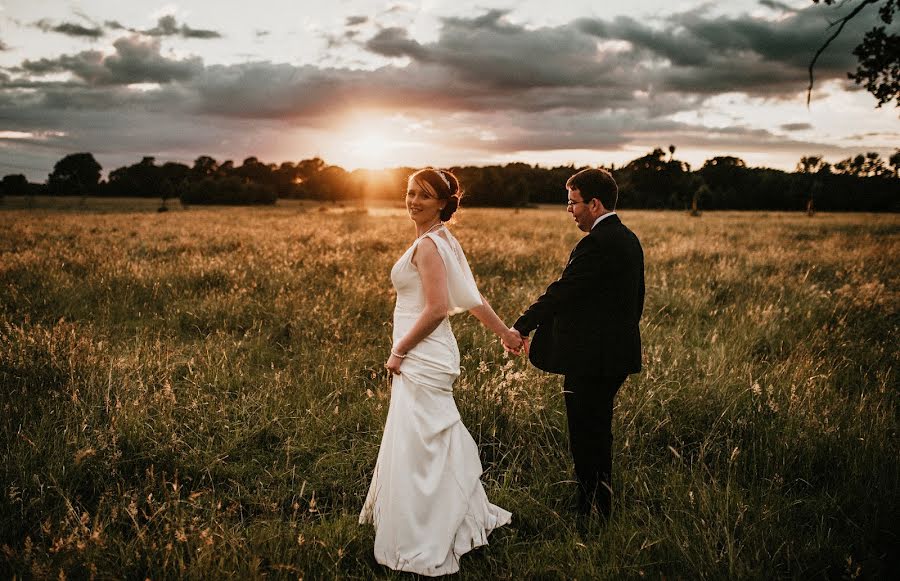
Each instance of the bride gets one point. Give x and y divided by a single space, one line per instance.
426 499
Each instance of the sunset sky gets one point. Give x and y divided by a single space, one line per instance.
374 84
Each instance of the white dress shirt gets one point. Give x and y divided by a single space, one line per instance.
600 219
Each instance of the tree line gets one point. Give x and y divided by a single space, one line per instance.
657 180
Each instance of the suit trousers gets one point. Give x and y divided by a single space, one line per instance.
589 409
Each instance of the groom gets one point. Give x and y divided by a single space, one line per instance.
587 329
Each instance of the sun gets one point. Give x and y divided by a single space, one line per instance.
373 140
371 150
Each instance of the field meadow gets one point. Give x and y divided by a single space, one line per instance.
200 394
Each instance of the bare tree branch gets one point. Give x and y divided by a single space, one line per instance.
840 24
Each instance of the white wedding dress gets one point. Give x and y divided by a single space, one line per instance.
426 499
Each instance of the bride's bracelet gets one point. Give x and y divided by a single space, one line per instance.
395 354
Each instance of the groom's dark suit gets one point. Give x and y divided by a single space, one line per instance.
587 330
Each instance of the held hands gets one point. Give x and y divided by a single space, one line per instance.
514 342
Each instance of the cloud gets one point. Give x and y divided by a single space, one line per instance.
136 60
87 65
590 83
3 46
780 6
486 64
168 26
394 42
701 55
489 51
687 54
489 63
399 8
69 29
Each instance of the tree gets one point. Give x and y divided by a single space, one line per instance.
254 171
724 177
653 182
305 174
141 179
308 168
863 166
75 174
812 164
878 55
894 162
328 184
874 165
226 169
700 193
851 166
811 168
205 166
14 185
172 178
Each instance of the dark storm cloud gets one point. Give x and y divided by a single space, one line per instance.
688 53
489 51
308 92
86 65
488 63
586 84
136 60
726 54
394 42
69 29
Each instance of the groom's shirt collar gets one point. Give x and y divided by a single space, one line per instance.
601 218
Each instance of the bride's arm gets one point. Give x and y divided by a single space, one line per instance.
485 313
434 286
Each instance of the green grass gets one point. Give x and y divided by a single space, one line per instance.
200 393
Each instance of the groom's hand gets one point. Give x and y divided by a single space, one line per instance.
512 341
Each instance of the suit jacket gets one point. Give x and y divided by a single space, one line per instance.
587 321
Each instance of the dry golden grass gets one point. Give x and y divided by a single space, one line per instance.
199 393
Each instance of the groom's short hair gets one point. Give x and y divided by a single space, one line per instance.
596 183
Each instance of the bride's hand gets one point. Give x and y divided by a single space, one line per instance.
393 364
512 341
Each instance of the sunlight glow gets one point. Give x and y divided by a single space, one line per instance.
374 142
372 150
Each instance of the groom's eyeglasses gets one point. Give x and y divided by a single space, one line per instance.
570 203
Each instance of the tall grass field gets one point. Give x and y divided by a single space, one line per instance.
200 394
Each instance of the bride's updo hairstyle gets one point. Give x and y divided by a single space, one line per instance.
444 185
